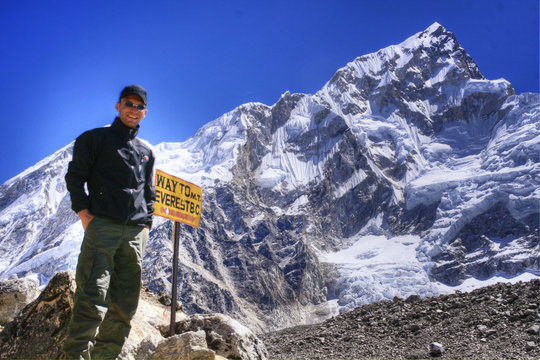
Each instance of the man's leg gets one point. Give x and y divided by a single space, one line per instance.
123 294
94 267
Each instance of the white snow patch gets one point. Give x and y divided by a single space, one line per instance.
354 180
472 283
294 208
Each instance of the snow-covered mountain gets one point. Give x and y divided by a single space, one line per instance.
407 173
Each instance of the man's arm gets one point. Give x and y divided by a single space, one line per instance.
79 170
85 217
149 190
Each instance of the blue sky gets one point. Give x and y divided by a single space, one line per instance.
63 63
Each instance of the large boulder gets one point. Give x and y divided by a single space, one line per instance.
15 294
144 336
190 345
39 330
225 336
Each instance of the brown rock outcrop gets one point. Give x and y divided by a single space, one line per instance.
15 294
39 330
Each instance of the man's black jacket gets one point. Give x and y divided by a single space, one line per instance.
117 168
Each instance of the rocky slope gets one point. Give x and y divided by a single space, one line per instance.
39 330
495 322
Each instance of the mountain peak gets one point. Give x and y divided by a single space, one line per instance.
435 35
429 59
435 28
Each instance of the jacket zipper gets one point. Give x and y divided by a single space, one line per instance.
133 157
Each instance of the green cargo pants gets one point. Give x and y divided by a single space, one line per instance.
108 281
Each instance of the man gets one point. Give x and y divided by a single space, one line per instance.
116 214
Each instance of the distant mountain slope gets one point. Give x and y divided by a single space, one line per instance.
407 173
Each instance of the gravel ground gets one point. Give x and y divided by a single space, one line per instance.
495 322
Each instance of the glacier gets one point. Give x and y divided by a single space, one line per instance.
407 173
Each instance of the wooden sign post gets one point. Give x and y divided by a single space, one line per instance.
180 201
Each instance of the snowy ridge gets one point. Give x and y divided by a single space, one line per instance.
285 165
42 163
211 153
28 201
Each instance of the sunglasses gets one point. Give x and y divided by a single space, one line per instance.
129 104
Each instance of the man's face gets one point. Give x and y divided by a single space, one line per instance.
130 116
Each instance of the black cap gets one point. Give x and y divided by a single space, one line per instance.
134 89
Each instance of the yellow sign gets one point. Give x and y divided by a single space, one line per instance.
177 199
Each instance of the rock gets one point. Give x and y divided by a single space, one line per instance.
225 336
39 330
482 328
413 298
15 294
533 330
436 349
485 331
145 336
190 345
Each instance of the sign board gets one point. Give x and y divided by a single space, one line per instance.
177 199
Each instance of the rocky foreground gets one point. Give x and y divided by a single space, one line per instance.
38 331
495 322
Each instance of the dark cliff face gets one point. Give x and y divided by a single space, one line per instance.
482 239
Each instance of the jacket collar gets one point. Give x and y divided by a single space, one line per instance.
126 131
